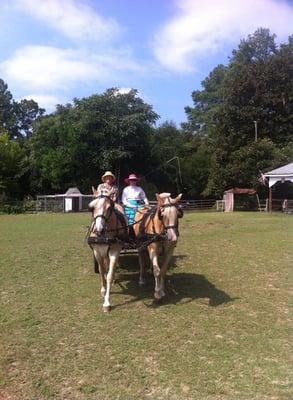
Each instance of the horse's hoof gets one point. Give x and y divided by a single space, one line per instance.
106 309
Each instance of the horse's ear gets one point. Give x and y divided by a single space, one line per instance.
159 199
178 198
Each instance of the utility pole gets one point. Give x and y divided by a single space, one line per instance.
255 131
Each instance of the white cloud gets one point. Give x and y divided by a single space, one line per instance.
205 27
43 67
124 90
91 61
38 68
48 102
73 18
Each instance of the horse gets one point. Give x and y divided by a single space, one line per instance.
108 231
161 225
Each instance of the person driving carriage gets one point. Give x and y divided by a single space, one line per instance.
133 196
108 187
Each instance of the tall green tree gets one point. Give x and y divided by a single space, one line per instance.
13 166
7 109
27 112
74 145
17 118
254 90
187 173
166 143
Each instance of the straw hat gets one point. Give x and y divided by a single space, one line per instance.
107 173
132 177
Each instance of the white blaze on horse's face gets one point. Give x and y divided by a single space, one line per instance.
170 216
100 211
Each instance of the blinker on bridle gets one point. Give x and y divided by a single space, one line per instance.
179 215
178 208
105 217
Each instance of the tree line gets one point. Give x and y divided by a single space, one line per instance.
240 123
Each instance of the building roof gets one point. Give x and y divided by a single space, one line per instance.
285 170
71 192
284 173
240 191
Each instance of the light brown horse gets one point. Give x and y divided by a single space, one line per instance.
107 233
163 221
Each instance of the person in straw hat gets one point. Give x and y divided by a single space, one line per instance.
132 197
108 187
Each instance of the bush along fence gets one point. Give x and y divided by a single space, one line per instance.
18 207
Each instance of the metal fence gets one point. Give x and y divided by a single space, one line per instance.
47 204
57 204
196 205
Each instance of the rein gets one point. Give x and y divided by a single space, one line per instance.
108 216
119 216
146 219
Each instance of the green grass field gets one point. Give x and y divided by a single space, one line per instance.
223 331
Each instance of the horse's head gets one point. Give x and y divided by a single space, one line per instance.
169 212
101 207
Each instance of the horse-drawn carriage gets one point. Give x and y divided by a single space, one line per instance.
154 228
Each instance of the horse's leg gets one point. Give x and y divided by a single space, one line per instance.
96 265
153 252
98 254
113 257
143 258
168 253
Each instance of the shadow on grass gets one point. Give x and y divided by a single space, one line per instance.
185 287
181 287
130 262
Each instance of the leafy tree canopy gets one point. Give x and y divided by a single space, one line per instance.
74 145
255 90
17 117
13 166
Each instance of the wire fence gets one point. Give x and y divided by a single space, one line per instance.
57 204
196 205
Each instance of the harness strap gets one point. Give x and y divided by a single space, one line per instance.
151 213
122 220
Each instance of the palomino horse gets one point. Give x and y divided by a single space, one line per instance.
163 221
107 233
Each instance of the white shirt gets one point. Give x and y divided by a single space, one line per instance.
133 193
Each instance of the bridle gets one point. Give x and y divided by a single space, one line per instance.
179 214
109 211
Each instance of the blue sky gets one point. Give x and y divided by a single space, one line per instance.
53 50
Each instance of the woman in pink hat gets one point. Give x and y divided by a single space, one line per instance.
132 197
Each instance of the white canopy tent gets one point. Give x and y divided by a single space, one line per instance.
282 174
